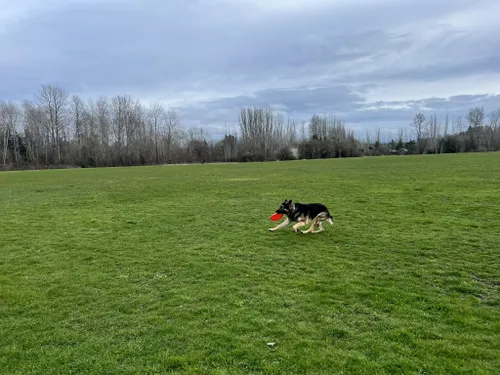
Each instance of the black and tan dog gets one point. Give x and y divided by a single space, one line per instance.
302 214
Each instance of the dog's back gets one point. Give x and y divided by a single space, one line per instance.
311 211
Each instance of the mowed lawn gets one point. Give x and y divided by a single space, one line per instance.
171 269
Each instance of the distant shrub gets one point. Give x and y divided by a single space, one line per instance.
285 153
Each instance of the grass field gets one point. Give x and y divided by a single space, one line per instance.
171 269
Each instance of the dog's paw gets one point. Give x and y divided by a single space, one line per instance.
303 231
271 230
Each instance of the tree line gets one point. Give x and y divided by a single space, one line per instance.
57 129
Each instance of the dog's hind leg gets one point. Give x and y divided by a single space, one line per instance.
317 222
321 229
314 223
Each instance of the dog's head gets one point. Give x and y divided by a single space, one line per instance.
286 207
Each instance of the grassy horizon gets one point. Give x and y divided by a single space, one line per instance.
171 269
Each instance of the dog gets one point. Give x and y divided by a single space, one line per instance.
302 214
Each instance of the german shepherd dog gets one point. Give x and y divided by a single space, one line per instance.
302 214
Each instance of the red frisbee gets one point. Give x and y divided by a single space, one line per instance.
276 217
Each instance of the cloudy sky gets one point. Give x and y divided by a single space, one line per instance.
375 63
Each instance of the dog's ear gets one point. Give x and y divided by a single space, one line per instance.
290 201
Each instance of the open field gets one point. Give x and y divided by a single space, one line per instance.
156 270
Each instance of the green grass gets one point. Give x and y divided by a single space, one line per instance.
156 270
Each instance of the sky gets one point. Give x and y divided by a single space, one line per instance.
374 63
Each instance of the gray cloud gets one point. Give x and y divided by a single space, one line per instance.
209 58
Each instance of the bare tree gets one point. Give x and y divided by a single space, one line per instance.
156 114
475 117
446 126
475 120
458 127
197 146
257 128
103 125
14 116
171 132
278 133
495 119
135 133
400 144
377 139
92 137
291 133
121 108
77 108
4 131
53 100
10 117
368 143
434 130
418 126
34 127
368 138
495 129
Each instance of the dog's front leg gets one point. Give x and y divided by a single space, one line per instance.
282 225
